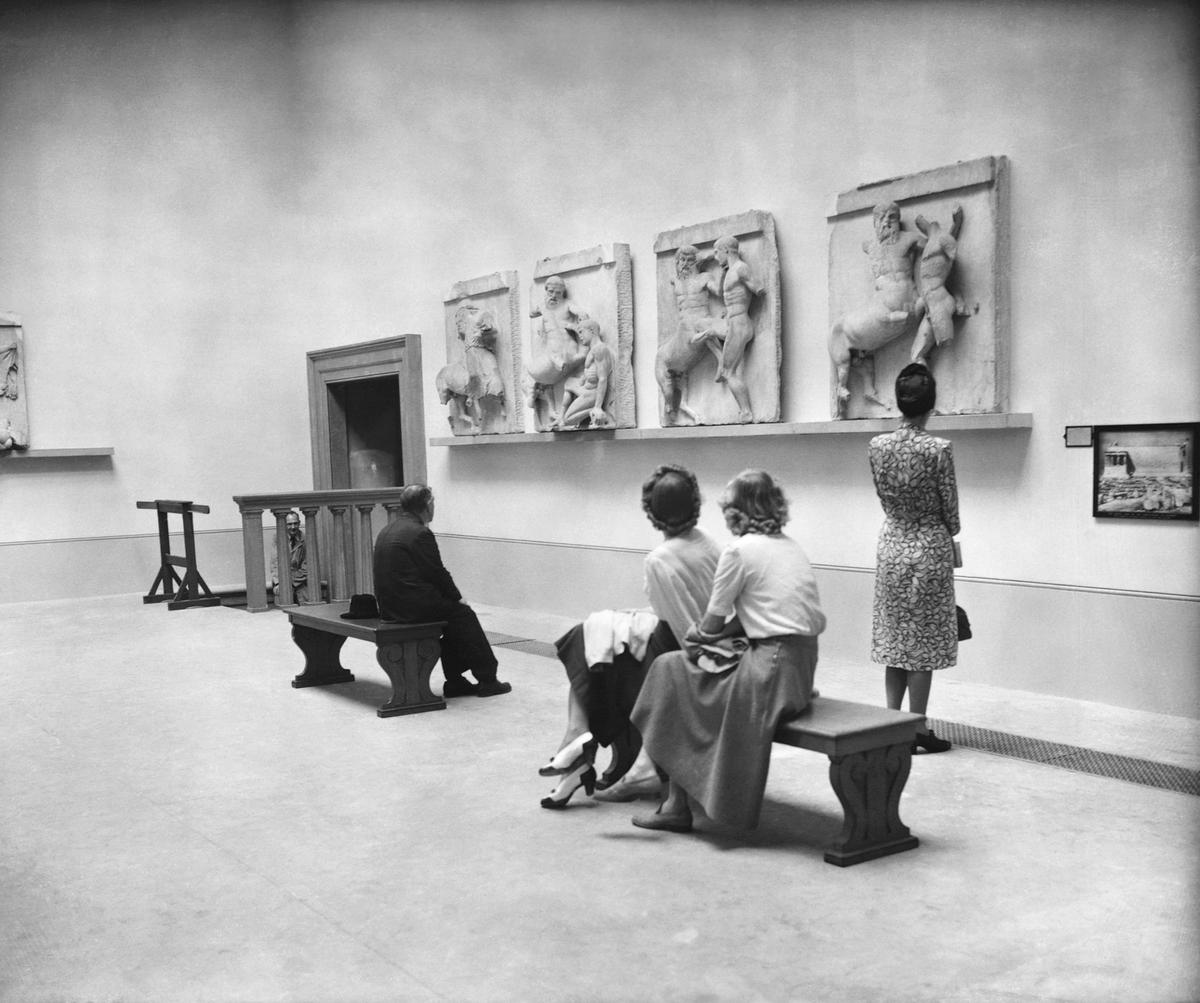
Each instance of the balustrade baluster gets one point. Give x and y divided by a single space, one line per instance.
312 553
253 558
366 548
342 541
284 596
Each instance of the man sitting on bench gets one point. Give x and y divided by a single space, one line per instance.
413 586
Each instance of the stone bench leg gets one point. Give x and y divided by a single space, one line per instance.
408 665
322 665
869 785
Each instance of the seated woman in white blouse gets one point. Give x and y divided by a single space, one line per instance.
710 729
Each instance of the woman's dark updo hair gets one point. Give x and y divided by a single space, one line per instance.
415 498
754 503
671 499
916 390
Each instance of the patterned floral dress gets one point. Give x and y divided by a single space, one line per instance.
914 625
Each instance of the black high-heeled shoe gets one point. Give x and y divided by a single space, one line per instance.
568 757
583 776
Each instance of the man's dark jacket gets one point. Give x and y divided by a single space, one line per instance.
411 583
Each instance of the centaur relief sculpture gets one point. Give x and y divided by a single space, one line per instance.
718 357
726 335
697 331
910 298
555 353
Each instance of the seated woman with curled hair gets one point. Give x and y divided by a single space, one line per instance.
606 657
709 724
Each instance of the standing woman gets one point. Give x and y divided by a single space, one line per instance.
914 627
711 727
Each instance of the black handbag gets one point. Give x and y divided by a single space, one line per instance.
964 625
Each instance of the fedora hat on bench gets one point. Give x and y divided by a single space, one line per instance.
362 608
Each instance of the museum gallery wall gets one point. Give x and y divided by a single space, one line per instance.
194 202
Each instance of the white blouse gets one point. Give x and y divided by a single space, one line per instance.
769 583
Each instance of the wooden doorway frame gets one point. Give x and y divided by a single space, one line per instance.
399 357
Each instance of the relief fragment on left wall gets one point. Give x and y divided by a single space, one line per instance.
14 412
480 382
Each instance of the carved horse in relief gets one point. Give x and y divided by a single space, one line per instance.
697 332
676 358
476 378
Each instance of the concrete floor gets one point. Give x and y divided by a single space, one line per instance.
178 823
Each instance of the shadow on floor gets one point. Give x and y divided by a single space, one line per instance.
784 826
367 692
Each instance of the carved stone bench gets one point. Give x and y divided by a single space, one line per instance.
870 753
407 652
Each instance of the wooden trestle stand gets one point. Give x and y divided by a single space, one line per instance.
191 590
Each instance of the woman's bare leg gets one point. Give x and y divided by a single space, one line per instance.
577 721
895 682
676 802
642 769
919 684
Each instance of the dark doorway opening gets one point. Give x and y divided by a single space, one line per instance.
365 440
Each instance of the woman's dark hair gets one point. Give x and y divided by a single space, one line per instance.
754 503
415 498
916 390
671 499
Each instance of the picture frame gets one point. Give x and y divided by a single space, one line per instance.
1145 472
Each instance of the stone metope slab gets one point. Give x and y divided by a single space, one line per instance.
598 285
14 410
972 366
480 385
701 380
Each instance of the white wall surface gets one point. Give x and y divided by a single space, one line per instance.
193 196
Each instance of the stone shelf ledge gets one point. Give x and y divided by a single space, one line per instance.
55 454
859 426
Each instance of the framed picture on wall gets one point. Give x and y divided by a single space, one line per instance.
1144 471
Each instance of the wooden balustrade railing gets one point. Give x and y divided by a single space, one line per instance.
338 545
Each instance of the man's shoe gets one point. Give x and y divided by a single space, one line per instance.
457 686
492 688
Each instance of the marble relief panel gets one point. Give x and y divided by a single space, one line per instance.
918 271
14 411
719 322
579 369
480 385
